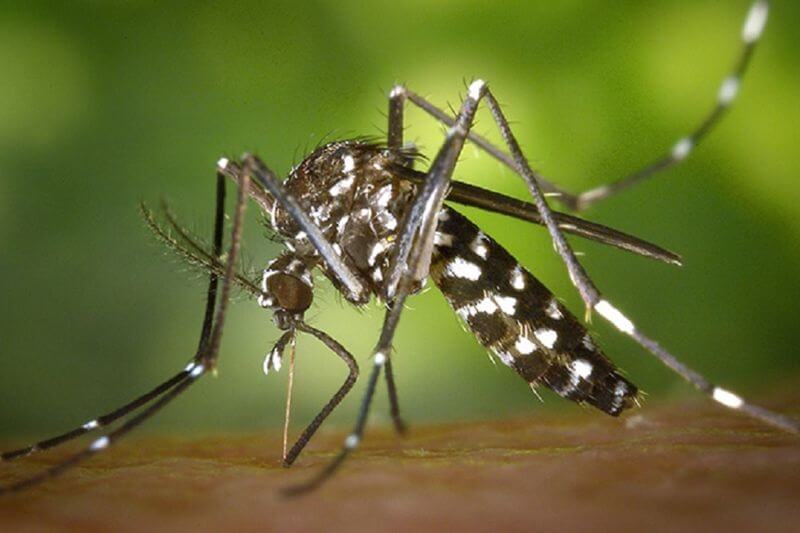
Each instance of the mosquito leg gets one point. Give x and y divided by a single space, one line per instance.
716 393
108 418
96 423
728 90
751 33
399 424
395 141
339 350
204 359
408 266
397 99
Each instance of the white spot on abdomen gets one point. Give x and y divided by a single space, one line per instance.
507 303
524 345
461 268
547 337
517 278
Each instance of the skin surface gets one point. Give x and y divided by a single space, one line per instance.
691 467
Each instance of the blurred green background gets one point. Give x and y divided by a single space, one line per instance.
104 103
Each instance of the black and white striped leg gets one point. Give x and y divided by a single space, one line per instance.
409 265
716 393
752 30
108 418
335 400
98 422
204 359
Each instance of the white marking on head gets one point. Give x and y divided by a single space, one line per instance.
442 239
755 21
507 303
682 149
524 345
517 278
613 315
100 444
223 162
461 268
348 163
342 186
90 425
476 89
728 90
478 245
727 398
553 311
351 441
379 359
443 215
266 301
582 368
547 337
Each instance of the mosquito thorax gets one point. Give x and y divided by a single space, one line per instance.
350 190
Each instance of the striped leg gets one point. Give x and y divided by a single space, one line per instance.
204 359
716 393
752 30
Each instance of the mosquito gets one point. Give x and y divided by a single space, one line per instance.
360 213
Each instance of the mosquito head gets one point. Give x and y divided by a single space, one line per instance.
288 289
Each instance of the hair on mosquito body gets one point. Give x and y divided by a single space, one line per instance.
363 215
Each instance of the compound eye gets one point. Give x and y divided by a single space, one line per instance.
290 292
